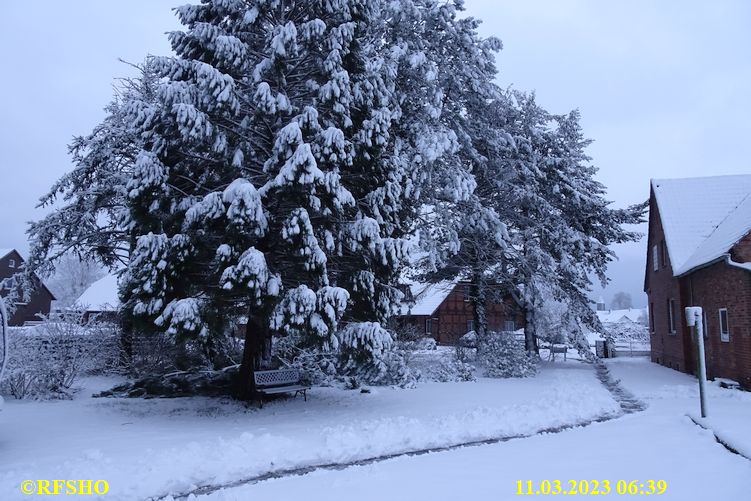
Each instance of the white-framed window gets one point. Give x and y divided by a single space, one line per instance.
655 259
724 327
663 254
671 316
11 263
509 325
470 325
467 292
652 318
428 326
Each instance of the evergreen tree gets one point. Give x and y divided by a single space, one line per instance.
281 159
560 222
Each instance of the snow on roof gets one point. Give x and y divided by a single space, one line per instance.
728 232
620 316
100 296
428 297
5 252
693 209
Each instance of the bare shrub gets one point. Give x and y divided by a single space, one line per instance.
45 360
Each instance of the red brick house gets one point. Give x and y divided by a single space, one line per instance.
699 254
41 298
444 312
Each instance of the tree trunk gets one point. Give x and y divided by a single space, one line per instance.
257 337
530 330
479 312
126 343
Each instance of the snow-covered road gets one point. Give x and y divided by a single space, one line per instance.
660 443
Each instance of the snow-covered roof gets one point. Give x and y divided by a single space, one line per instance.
428 297
5 252
620 316
702 217
100 296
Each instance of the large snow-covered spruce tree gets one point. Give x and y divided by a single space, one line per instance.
282 163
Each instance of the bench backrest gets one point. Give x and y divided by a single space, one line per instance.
278 377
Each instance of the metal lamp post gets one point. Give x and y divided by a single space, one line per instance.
694 320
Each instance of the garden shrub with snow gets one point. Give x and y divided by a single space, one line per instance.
502 355
317 366
370 356
626 332
46 360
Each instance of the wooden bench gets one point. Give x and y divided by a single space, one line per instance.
279 381
558 349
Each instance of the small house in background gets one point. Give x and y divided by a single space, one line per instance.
40 300
100 300
630 315
444 312
699 254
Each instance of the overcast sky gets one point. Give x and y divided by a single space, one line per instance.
664 87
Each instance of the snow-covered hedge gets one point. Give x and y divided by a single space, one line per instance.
502 355
441 364
46 360
627 332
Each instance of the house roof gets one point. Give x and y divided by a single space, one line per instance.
5 252
702 217
100 296
619 316
428 297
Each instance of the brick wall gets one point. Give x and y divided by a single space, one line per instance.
741 251
722 286
454 313
669 349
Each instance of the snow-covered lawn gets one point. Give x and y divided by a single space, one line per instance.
660 443
153 447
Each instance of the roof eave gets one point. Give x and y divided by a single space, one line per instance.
723 258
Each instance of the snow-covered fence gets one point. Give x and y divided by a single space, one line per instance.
46 360
627 339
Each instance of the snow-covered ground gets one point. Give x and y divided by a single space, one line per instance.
152 447
728 411
660 443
